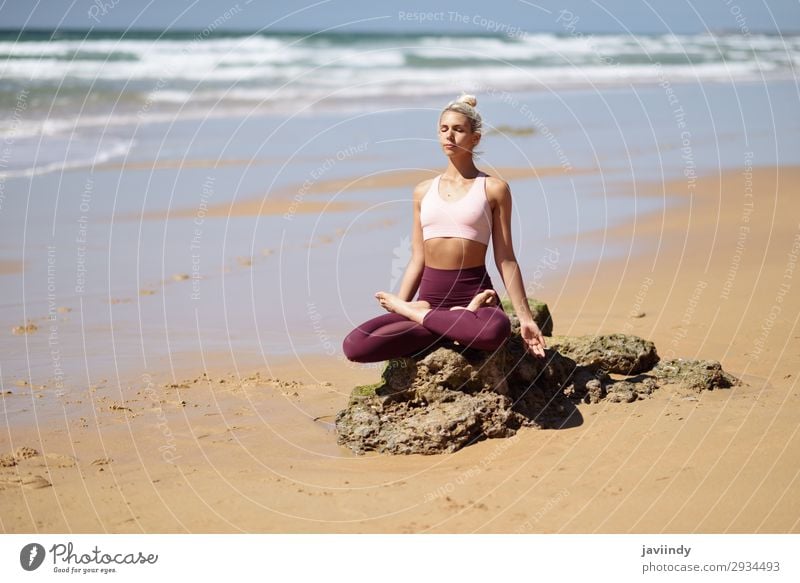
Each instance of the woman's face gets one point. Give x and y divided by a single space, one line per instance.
456 135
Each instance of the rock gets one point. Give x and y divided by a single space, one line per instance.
596 391
585 385
610 353
631 389
622 396
697 375
540 312
622 392
452 396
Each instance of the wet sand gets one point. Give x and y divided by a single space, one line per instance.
9 267
249 447
292 199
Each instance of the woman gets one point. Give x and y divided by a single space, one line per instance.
454 215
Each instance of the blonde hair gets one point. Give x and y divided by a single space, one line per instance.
466 105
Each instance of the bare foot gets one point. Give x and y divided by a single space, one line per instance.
485 298
412 310
390 302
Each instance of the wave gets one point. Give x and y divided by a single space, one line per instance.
64 73
100 156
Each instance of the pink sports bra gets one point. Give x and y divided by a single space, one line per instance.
467 218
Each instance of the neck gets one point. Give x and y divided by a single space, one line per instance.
461 167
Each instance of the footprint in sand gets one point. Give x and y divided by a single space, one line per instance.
59 460
28 458
31 482
225 434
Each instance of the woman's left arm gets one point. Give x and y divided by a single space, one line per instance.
499 195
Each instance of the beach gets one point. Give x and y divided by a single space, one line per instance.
251 448
173 316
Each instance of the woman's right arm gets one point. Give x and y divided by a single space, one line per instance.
413 274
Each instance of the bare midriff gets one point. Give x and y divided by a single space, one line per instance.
454 253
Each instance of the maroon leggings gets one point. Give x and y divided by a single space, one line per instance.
392 335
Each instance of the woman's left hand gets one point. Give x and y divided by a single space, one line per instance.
532 336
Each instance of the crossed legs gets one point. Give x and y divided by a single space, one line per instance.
411 327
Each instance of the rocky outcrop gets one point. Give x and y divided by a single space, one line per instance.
609 353
695 375
539 311
452 396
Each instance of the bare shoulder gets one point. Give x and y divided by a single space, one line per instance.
497 189
421 188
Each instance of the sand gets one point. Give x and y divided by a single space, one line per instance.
250 448
10 267
300 198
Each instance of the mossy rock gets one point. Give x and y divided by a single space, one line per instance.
362 392
696 375
395 378
451 397
541 315
608 353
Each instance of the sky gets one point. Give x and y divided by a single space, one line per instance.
411 16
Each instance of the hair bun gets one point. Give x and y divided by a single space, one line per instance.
470 100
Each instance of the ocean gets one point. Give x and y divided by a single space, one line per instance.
76 81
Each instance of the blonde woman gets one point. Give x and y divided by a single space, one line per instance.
456 214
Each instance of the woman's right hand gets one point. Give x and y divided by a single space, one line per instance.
532 336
